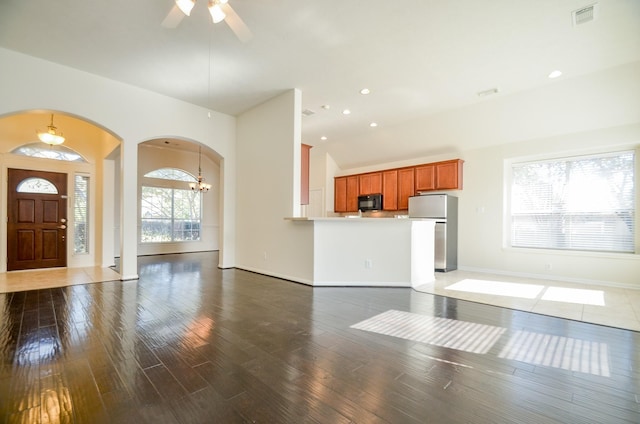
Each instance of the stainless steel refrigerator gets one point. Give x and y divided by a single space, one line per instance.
444 209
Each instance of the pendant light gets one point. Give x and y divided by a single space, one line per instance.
51 137
200 185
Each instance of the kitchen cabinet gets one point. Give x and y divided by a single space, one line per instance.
390 190
352 193
425 177
370 183
405 187
346 194
304 174
445 175
340 194
449 175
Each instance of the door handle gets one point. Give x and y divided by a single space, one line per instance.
63 227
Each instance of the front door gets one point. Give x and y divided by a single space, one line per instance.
37 220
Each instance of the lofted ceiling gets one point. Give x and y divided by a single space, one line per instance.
419 58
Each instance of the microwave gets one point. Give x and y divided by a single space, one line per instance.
370 202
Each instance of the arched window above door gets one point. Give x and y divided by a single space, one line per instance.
39 150
36 185
173 174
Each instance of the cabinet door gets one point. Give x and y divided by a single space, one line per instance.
370 183
304 174
390 190
405 187
352 193
449 175
425 177
340 194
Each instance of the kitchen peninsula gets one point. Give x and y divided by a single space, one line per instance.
356 251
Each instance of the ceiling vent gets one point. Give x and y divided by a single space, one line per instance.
307 112
585 14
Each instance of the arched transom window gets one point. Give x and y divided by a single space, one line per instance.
36 185
39 150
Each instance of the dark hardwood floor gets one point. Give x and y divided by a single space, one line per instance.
189 343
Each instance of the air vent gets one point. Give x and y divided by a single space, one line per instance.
585 14
488 92
307 112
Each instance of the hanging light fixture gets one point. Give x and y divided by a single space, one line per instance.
200 185
50 136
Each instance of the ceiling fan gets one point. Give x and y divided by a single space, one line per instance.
220 10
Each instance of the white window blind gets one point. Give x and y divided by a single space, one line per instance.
576 203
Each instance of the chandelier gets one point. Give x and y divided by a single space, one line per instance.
51 136
200 185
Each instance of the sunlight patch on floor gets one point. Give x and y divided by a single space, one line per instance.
582 296
497 288
444 332
558 352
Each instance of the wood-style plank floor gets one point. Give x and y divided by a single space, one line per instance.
189 343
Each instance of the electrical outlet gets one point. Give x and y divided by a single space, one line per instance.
548 266
368 263
264 255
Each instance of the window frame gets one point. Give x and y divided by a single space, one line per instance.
556 156
169 185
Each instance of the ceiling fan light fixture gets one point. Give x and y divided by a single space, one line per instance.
51 136
185 6
216 12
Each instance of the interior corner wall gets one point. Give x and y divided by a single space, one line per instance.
268 138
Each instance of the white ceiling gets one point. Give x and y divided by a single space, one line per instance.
418 57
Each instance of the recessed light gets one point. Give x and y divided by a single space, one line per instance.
346 112
555 74
373 124
365 91
323 138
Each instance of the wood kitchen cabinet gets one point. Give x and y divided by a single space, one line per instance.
445 175
449 175
390 190
405 187
370 183
425 177
304 173
346 194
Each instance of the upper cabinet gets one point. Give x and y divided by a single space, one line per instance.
370 183
449 175
405 187
304 174
397 185
390 190
425 177
346 194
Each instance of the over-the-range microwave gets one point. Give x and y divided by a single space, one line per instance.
370 202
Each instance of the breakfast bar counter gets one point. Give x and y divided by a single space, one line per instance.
389 252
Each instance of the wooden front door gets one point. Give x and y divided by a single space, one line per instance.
37 227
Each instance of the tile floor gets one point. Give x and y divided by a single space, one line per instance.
611 306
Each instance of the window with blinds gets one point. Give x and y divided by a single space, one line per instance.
81 214
576 203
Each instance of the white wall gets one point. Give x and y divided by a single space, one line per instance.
268 190
133 115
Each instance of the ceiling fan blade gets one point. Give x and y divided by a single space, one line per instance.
236 23
174 17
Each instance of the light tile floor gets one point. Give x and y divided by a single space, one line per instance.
615 307
54 277
611 306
